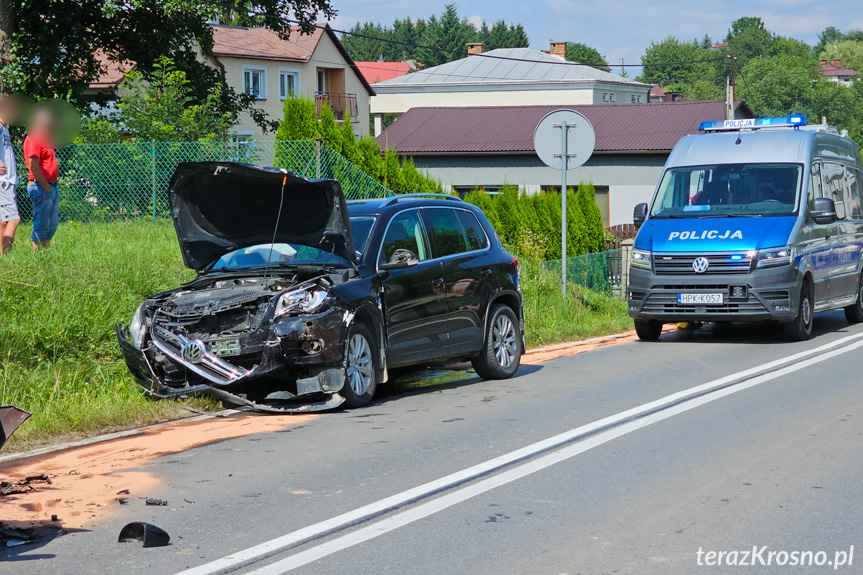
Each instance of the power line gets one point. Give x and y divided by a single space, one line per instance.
436 48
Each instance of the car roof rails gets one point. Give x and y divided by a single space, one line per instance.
395 199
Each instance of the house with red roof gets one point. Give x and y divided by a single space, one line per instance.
833 71
488 147
375 72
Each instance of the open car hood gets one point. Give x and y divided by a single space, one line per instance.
218 207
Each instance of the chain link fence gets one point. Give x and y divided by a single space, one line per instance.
603 272
104 182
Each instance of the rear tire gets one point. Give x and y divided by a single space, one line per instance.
854 312
501 351
361 367
648 329
800 329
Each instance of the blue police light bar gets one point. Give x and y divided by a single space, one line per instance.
753 123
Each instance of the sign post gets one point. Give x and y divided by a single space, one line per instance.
577 141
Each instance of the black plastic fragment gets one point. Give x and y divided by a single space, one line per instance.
156 502
151 535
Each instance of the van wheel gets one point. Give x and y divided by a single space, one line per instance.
501 351
648 329
854 312
361 357
800 328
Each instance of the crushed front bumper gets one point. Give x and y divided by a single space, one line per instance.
299 368
770 295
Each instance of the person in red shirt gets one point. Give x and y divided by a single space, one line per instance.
43 172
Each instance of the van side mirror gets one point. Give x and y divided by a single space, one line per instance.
639 214
823 211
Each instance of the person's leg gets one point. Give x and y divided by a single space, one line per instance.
36 197
53 213
8 235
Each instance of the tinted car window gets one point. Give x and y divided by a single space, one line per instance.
445 231
473 232
405 232
361 226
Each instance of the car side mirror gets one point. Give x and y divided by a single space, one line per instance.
400 259
639 214
823 211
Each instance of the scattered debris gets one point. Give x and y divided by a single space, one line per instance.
149 534
73 472
55 518
7 488
157 502
187 501
11 418
34 478
193 410
123 501
123 492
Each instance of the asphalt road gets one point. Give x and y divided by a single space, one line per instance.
627 459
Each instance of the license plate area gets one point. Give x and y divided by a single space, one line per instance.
700 298
225 347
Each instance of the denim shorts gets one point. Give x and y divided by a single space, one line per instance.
46 211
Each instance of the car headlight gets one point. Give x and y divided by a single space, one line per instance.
307 299
136 327
640 259
775 257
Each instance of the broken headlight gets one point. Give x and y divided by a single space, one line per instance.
136 327
304 300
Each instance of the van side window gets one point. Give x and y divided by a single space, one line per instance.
814 185
833 178
852 193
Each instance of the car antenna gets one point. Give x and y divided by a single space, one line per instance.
275 230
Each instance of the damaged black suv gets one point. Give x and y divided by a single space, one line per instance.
303 301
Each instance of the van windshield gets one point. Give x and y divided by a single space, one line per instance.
729 190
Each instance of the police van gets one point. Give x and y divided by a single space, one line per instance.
753 220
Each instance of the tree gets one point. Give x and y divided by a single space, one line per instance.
849 51
446 38
300 120
828 36
584 54
362 42
55 45
675 62
502 35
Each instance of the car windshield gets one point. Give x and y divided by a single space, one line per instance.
361 226
275 254
729 190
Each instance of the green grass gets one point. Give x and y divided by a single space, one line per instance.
59 357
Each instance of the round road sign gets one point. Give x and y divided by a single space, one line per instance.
548 139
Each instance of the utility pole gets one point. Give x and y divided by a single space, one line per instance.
729 90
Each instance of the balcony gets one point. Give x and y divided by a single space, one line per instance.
340 103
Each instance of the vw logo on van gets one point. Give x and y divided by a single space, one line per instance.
193 351
700 265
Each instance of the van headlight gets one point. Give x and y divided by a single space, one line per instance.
640 259
308 299
775 257
136 327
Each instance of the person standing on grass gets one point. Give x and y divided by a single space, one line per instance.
44 173
9 218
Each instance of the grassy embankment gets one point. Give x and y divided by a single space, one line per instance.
58 353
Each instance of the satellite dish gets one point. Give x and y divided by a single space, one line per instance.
580 139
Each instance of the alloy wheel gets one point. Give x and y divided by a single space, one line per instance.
504 341
359 368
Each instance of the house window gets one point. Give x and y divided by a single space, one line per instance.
255 82
611 97
289 83
605 96
322 82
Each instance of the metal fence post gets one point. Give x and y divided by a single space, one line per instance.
318 158
153 175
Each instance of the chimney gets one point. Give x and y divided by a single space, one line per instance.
475 48
557 49
836 62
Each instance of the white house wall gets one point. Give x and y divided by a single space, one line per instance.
399 103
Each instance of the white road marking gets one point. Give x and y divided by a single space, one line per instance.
751 377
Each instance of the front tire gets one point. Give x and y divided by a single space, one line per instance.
501 352
800 329
648 329
361 367
854 312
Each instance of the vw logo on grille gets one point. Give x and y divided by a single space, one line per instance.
194 351
700 265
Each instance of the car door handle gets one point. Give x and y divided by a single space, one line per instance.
438 285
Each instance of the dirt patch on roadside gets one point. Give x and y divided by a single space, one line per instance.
86 481
558 350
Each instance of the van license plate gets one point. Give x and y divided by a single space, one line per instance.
700 298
